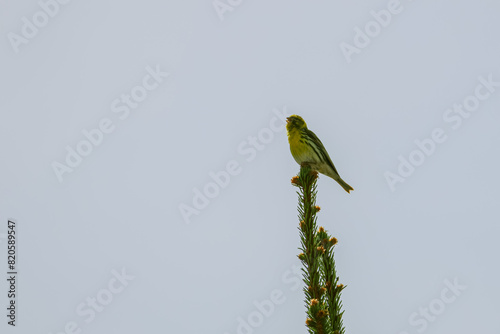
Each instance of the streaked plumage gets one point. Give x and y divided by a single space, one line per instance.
306 148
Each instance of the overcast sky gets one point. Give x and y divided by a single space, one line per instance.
146 164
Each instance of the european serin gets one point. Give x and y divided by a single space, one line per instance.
307 149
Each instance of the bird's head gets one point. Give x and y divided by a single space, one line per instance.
295 122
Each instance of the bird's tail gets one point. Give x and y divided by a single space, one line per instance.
344 185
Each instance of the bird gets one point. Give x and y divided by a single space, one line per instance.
307 149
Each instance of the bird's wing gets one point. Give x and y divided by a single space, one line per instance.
320 150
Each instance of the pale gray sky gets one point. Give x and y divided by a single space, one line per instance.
147 166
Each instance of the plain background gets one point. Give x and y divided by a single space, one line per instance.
120 207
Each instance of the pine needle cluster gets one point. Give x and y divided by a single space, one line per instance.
322 289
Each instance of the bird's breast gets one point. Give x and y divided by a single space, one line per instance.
298 148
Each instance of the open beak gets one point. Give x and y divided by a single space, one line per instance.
288 119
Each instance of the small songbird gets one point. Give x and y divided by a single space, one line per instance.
307 149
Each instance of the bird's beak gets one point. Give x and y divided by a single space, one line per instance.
288 119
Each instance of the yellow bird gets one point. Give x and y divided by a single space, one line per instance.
307 149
